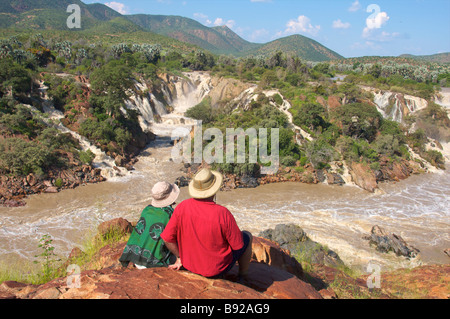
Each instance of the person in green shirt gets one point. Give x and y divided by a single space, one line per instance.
145 248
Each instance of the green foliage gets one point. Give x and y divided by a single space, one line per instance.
435 158
312 116
110 84
49 259
14 78
359 120
202 111
21 157
19 120
387 145
320 153
86 157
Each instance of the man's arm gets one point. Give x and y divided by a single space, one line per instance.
173 248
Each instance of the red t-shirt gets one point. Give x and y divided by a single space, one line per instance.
206 234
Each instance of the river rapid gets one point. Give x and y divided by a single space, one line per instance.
336 216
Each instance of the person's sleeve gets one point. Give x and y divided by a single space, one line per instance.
233 233
169 235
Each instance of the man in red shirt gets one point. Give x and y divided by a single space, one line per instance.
203 235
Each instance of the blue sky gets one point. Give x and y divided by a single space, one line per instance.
349 27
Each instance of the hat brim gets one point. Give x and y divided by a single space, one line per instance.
169 199
199 194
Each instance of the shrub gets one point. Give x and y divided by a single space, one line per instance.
202 111
320 153
86 157
21 157
288 161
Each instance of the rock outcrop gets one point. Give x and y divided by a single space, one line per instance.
14 189
293 238
363 176
273 274
390 242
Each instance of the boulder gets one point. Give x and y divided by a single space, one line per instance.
390 242
248 182
363 176
115 225
51 190
335 179
293 238
333 102
270 253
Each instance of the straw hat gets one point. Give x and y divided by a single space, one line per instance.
164 194
206 183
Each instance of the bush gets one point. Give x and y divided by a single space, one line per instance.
359 120
86 157
21 157
387 145
320 153
312 116
288 161
202 111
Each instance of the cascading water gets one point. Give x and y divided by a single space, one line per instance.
104 162
396 106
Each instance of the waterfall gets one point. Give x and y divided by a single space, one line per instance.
189 90
53 119
395 106
443 98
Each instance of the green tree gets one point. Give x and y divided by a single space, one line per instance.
111 83
312 116
359 120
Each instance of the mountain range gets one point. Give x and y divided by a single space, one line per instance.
99 18
175 31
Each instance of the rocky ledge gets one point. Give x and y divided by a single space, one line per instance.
358 173
274 274
14 189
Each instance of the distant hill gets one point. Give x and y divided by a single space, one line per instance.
219 40
439 58
222 40
298 45
99 19
51 14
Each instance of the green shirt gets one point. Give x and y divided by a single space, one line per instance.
145 246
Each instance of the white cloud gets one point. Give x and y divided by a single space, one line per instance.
119 7
375 22
355 6
220 22
301 25
338 24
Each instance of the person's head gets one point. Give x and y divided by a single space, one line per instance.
164 194
205 184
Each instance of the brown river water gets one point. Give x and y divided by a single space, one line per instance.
417 209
